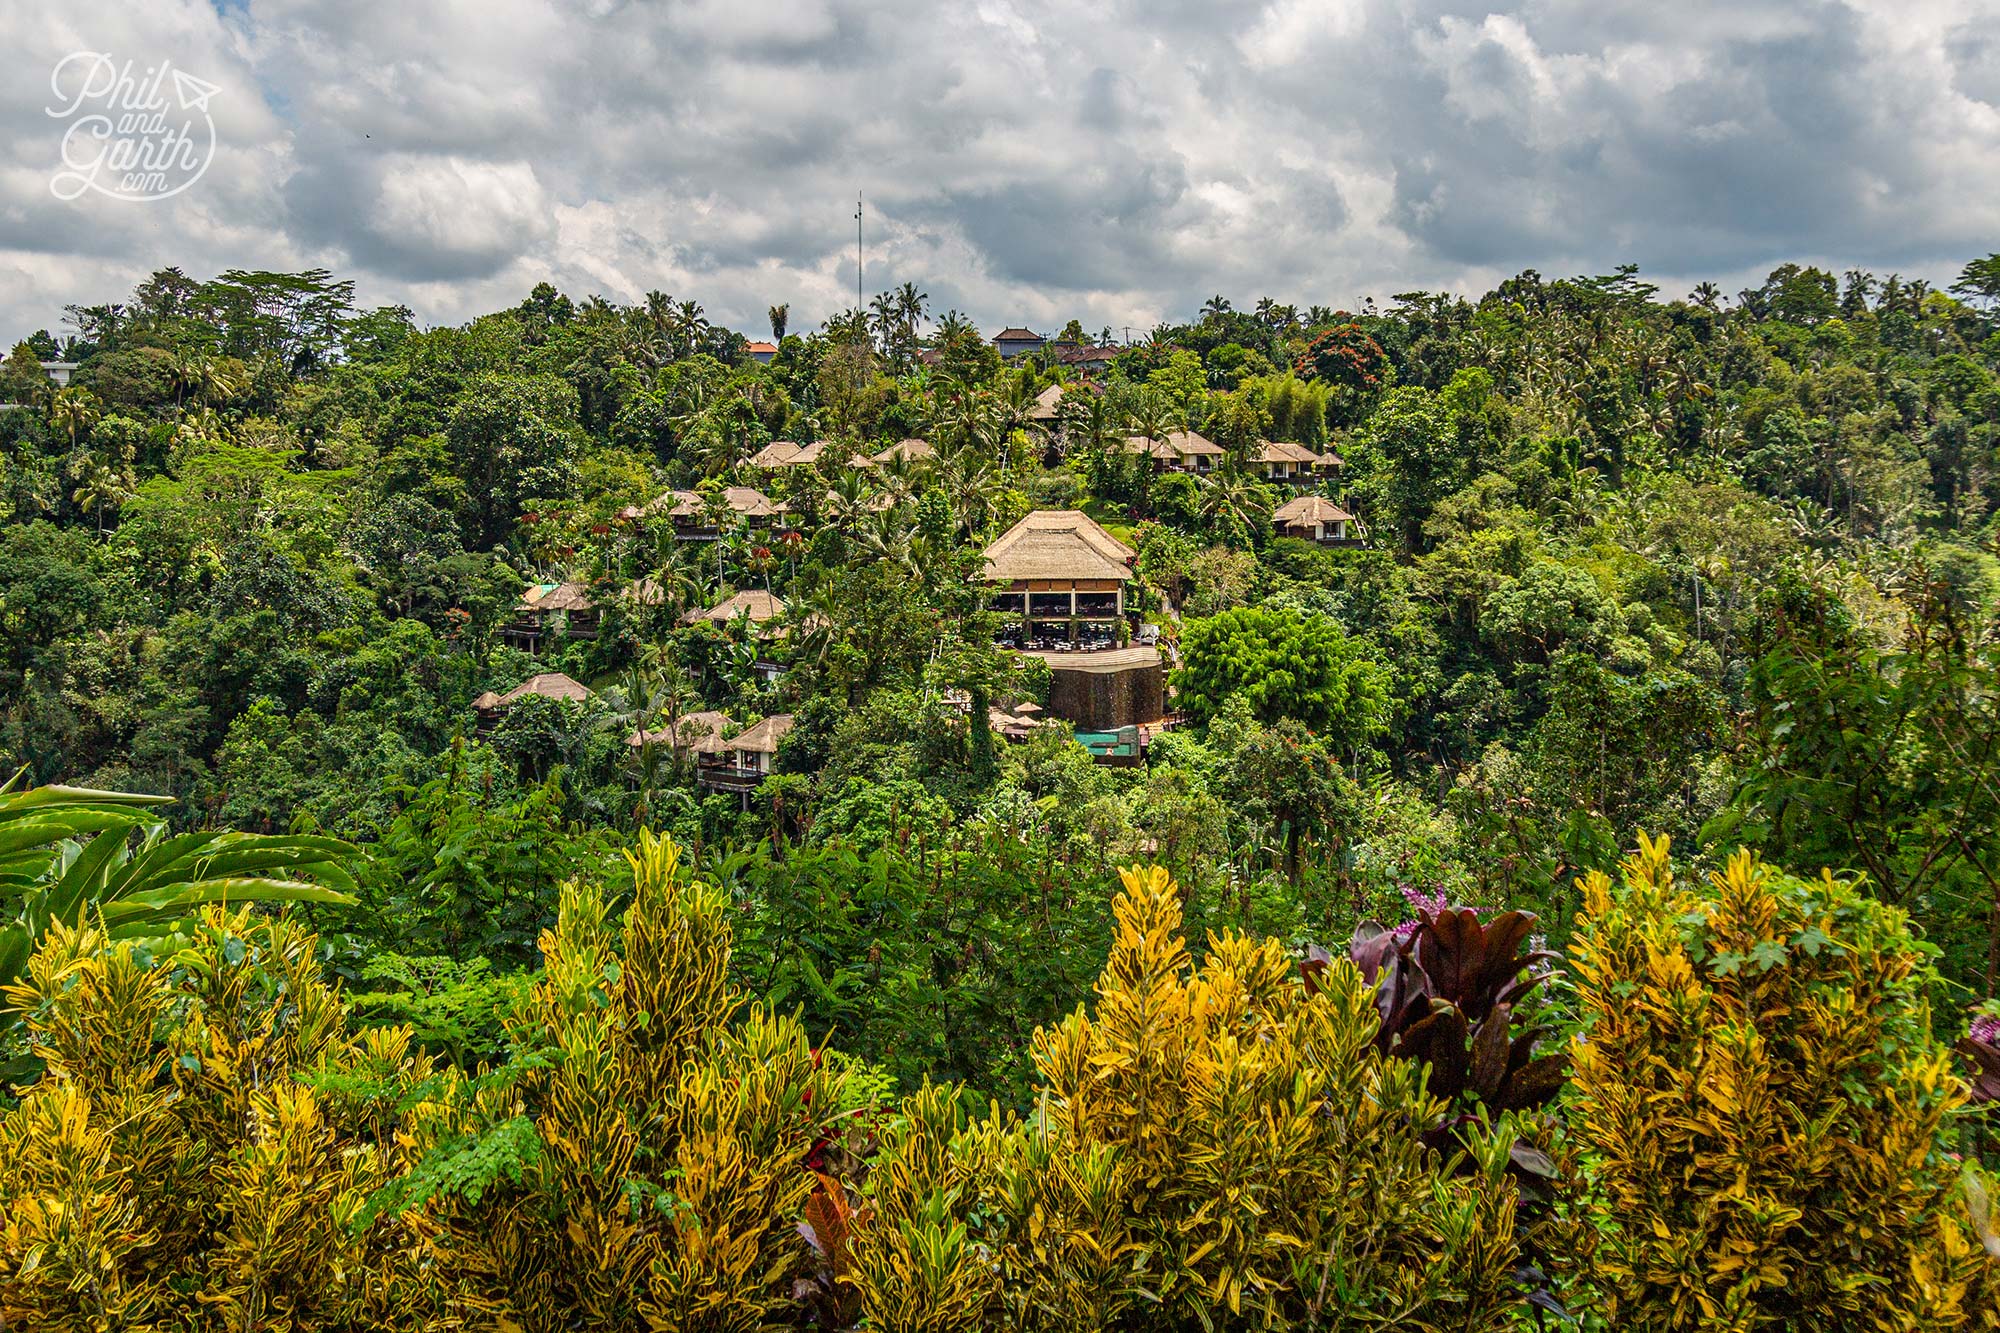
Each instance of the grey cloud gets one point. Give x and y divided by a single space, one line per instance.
1026 161
1975 58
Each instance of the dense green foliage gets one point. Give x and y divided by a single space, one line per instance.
1723 571
1285 664
1235 1142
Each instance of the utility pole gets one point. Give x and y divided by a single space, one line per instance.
859 304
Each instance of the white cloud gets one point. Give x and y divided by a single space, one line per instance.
1117 161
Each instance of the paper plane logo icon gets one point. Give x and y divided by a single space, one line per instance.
194 93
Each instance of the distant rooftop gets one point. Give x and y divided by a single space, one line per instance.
759 605
546 684
1311 509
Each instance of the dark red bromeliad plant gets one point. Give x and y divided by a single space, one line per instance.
1462 996
1467 999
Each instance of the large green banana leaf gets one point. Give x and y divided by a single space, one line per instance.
68 853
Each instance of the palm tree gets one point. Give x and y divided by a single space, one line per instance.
911 306
208 378
1234 504
972 484
716 513
659 310
198 425
689 326
967 421
1152 415
780 315
886 536
951 324
676 580
885 317
101 484
73 411
847 500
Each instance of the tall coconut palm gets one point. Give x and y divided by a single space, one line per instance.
73 411
207 378
1152 415
885 318
847 500
900 475
1089 423
689 326
886 536
99 485
973 484
967 421
780 315
676 579
912 306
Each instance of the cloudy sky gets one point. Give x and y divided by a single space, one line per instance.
1117 160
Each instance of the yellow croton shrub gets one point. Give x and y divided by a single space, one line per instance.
1762 1103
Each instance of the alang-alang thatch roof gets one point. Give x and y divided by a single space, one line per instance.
1059 544
547 684
759 605
1310 509
762 738
745 501
697 733
550 597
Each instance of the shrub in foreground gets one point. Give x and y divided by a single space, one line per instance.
1215 1147
1763 1108
169 1169
641 1162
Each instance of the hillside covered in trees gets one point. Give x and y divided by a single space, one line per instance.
1460 604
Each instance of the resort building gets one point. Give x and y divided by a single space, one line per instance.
742 763
1090 360
1178 451
908 451
544 685
696 734
1064 576
1286 463
758 606
544 607
690 514
1018 342
1315 518
1048 404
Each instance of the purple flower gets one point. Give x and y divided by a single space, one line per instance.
1420 903
1985 1028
